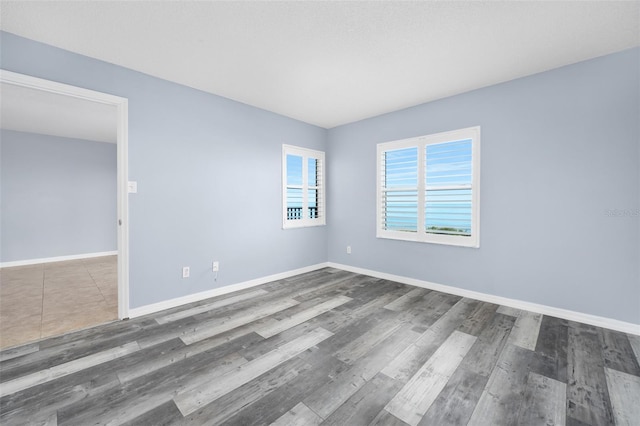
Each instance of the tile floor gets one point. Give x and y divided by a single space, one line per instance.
38 301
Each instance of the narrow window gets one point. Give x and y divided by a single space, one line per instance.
303 187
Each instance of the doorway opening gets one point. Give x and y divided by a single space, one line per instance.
94 263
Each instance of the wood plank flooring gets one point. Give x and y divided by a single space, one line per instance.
327 348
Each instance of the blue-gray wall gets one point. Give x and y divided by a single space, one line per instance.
560 150
208 172
58 196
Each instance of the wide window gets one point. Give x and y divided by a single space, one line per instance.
303 187
429 188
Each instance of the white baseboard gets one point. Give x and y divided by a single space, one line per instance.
57 259
178 301
625 327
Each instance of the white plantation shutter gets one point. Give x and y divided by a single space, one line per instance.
315 203
303 187
428 188
400 189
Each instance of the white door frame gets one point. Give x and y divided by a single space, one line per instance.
122 106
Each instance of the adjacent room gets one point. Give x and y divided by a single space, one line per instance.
58 185
304 213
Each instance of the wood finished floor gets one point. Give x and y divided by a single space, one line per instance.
332 348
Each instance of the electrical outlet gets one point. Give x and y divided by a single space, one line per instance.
348 249
216 266
185 272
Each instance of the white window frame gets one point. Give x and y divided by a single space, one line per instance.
420 143
306 221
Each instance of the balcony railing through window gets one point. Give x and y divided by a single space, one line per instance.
295 213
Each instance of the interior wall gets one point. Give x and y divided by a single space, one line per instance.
560 190
58 196
208 172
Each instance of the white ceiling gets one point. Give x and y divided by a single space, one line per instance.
37 111
330 63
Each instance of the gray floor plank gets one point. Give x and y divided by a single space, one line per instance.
300 415
184 313
345 326
364 405
501 399
19 351
274 404
335 393
224 410
574 422
587 394
635 345
47 399
404 301
409 361
52 373
384 418
525 331
163 415
617 352
192 400
478 319
355 349
355 326
271 329
432 306
338 285
455 404
359 308
484 354
130 402
37 419
544 402
376 287
624 390
67 350
415 398
216 326
458 399
551 350
148 360
157 384
107 332
507 310
206 325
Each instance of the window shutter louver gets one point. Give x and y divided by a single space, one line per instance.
400 190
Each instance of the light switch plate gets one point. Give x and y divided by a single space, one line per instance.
132 187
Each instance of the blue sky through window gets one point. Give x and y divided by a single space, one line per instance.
294 170
448 187
295 185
